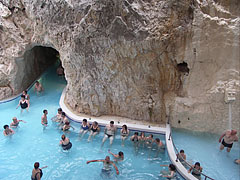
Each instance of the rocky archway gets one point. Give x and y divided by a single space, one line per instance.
34 62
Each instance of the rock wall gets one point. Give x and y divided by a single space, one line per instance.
146 60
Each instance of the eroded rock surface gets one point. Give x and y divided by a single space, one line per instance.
145 59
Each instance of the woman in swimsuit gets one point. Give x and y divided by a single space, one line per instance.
24 103
84 128
149 141
67 126
181 156
65 143
7 131
94 130
27 97
135 140
106 165
196 170
172 173
142 139
124 133
37 172
15 122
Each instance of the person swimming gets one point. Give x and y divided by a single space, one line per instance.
118 157
7 131
107 163
15 122
65 143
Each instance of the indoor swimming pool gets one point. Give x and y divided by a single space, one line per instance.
204 148
32 143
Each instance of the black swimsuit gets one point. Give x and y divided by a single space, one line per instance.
94 130
24 104
35 178
67 147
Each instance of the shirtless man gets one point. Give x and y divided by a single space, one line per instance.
15 122
7 131
44 120
227 139
106 165
38 87
109 131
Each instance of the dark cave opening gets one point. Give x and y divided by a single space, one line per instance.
34 63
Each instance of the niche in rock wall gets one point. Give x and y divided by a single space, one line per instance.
183 67
35 62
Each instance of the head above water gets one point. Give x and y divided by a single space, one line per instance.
107 159
95 123
37 82
63 137
84 121
142 134
124 126
59 109
136 133
25 92
14 119
197 165
63 114
172 167
120 153
157 140
36 165
6 126
67 123
44 111
22 97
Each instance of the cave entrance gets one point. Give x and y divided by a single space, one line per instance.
35 62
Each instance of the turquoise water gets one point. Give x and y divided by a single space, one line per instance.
204 147
31 143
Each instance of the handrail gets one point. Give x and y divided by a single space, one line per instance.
206 177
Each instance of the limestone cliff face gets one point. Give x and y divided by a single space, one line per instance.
143 59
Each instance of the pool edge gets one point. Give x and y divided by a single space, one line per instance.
166 131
